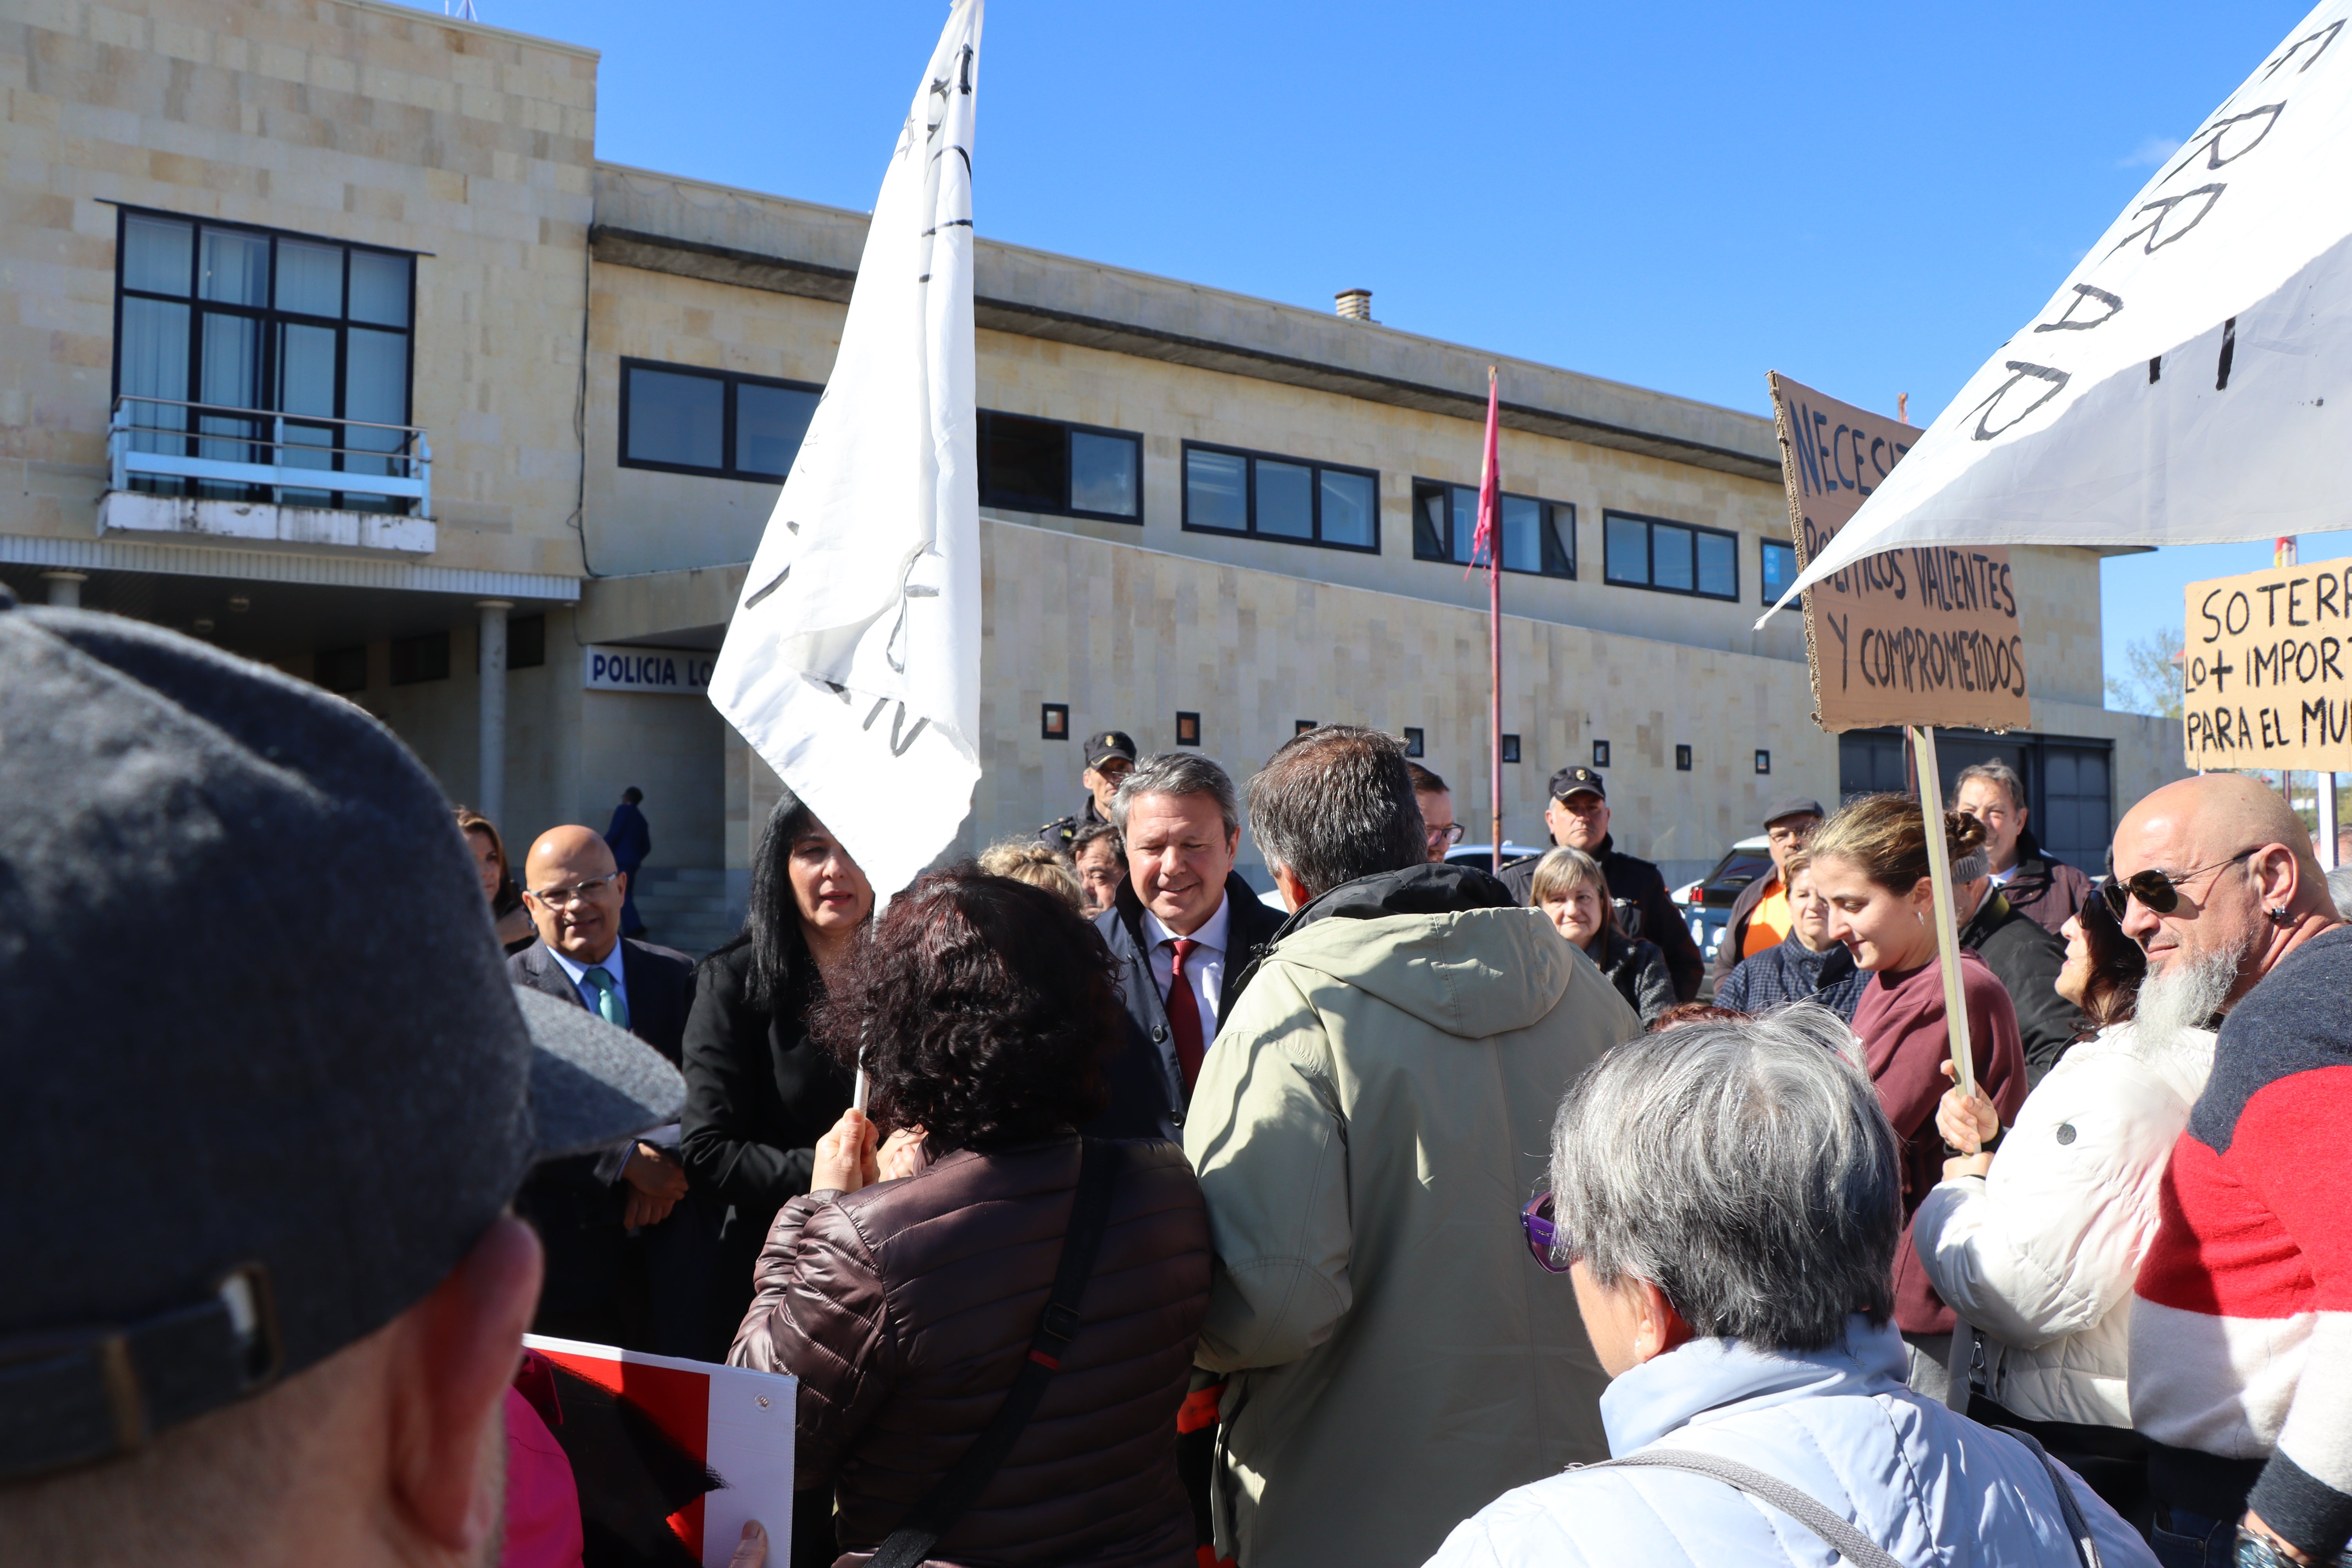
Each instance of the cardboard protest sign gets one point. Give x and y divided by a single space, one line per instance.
2266 678
671 1457
1918 635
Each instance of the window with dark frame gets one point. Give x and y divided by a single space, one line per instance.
1068 471
1669 557
1777 568
420 658
526 642
1228 491
1510 747
1682 759
1300 726
1053 720
220 328
685 419
1763 761
1188 729
1413 743
1600 753
1539 536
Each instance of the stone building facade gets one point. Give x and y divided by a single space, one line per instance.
602 368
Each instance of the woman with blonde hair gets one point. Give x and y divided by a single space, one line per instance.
1569 886
1037 864
1870 865
507 913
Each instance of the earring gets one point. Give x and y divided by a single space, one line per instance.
2278 914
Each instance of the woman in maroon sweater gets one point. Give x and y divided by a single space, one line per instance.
1869 863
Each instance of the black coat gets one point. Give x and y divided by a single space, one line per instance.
1147 1092
1638 970
2026 959
759 1091
1638 889
598 1284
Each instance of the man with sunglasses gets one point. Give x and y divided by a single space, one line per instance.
621 1268
2242 1321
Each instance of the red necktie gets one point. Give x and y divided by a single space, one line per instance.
1184 1017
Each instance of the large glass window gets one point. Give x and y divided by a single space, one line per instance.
1671 557
1228 491
682 419
1779 569
1539 536
218 325
1072 470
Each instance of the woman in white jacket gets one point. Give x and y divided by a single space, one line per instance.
2035 1247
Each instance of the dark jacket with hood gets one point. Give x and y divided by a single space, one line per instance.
1639 890
1147 1089
1638 970
2026 959
2046 891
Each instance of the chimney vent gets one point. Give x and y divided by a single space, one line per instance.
1356 304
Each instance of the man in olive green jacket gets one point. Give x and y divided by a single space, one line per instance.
1366 1128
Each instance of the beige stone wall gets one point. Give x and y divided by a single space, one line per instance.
1130 637
346 119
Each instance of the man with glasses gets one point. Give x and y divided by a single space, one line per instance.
2045 890
621 1268
2242 1321
1436 812
1110 754
1760 917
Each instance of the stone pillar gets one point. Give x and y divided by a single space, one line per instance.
65 588
490 798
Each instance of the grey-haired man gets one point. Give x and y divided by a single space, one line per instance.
1183 929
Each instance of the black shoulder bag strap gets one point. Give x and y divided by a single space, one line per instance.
911 1542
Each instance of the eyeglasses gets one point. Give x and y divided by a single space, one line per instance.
1449 836
2160 890
1543 1236
562 897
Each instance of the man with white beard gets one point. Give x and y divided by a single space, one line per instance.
2242 1317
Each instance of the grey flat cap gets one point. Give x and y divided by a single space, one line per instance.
256 1034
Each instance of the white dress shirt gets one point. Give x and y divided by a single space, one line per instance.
1204 966
611 963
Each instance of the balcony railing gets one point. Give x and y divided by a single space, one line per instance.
300 459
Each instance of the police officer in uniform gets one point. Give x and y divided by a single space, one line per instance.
1108 756
1579 818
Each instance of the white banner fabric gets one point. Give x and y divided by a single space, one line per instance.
2192 381
852 665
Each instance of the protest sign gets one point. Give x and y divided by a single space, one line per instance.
671 1455
2266 669
1921 635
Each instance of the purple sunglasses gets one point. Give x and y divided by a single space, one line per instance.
1543 1236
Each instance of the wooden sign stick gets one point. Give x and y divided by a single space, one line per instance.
1948 933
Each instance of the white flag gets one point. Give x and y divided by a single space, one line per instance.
2191 382
853 663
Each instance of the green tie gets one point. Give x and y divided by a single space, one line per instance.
609 1004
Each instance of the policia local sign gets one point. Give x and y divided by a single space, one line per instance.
2266 669
664 672
1924 635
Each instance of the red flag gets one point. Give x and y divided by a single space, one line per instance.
1486 542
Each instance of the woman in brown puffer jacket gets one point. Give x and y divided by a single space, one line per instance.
906 1306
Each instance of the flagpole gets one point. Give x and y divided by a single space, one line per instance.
1489 538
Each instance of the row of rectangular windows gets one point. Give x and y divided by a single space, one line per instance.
282 322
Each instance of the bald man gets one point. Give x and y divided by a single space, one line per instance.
2242 1326
628 1253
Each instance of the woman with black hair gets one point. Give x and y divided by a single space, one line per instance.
908 1292
759 1094
2036 1246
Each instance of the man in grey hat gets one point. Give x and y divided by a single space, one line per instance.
1110 754
1760 917
268 1306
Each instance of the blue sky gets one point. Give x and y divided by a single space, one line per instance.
1868 197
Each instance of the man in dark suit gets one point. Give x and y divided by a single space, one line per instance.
631 839
628 1251
1184 930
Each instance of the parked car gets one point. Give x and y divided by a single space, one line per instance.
1707 903
1482 856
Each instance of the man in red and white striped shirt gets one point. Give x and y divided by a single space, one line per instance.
2242 1324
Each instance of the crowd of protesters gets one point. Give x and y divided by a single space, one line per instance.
1408 1214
